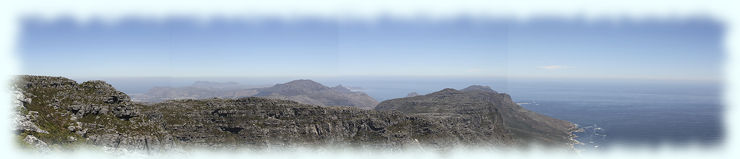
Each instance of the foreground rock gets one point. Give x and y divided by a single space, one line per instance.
67 113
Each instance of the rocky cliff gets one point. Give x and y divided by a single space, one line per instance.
67 113
55 112
483 103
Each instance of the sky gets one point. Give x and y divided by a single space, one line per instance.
675 49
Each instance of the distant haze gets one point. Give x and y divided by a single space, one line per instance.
389 88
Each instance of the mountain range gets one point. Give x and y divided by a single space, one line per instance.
302 91
58 113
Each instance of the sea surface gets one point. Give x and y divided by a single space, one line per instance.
643 113
611 112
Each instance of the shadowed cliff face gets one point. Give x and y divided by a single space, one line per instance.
524 125
62 112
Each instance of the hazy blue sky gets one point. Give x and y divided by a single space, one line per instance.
464 47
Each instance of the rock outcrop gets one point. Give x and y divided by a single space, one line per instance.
481 102
90 112
37 144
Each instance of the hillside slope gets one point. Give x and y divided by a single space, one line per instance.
481 101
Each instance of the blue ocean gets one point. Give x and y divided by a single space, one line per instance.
609 111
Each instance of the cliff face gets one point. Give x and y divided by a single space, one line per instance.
58 112
481 101
260 122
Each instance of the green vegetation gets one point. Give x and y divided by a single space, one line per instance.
53 98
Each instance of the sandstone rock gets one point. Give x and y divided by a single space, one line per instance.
71 138
24 123
125 112
36 143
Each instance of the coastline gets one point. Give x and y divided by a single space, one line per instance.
572 136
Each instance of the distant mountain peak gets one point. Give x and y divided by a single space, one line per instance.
445 92
310 92
304 83
478 88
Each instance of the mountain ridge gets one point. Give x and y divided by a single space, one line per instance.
302 90
65 113
311 92
56 112
522 123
